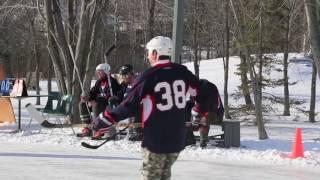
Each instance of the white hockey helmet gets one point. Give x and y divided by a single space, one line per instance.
163 45
103 67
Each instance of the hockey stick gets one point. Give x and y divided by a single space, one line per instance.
189 124
212 137
79 78
76 68
84 144
106 61
129 124
109 50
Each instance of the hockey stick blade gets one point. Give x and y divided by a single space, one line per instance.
86 145
110 50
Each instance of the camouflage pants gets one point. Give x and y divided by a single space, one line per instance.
157 166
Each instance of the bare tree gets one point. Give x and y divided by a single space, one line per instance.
226 63
151 19
195 33
240 16
15 38
87 48
312 11
36 49
288 23
197 30
313 93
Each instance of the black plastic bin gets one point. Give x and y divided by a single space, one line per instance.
231 133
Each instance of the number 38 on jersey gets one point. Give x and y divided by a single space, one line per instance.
171 94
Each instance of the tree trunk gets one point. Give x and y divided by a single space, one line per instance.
49 75
286 111
72 23
62 43
196 61
37 61
226 68
313 94
260 51
195 34
151 7
257 100
244 80
88 45
115 30
29 73
306 39
36 55
53 48
240 20
238 17
312 10
256 81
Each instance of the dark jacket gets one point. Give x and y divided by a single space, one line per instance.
101 90
160 94
211 99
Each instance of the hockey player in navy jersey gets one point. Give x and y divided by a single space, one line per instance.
127 75
160 94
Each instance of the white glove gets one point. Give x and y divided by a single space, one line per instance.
195 118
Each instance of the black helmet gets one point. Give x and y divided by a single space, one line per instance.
126 69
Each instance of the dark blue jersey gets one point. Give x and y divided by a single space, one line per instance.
125 87
160 95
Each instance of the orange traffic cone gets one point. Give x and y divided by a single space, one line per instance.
297 148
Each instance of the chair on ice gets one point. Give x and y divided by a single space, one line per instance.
54 99
63 109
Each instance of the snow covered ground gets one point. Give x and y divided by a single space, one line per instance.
31 154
